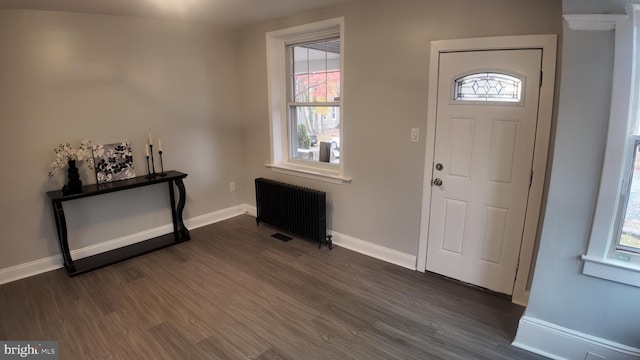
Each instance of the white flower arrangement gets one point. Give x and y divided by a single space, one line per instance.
64 153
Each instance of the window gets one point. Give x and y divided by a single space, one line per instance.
314 99
613 252
305 73
488 87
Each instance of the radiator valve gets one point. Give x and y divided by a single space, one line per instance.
327 242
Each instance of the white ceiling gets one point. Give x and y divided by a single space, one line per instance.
227 13
239 13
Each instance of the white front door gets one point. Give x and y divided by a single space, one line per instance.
487 110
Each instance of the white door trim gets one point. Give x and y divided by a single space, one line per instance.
548 44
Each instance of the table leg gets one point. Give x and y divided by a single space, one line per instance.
184 232
61 226
179 229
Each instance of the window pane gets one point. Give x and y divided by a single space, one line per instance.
630 236
316 71
313 125
488 87
333 86
300 74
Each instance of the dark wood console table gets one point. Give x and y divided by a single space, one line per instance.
180 232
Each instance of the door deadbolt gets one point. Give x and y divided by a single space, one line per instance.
437 181
439 167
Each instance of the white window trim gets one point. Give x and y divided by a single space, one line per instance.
277 89
593 21
601 259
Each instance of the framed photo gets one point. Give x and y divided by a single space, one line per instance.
113 162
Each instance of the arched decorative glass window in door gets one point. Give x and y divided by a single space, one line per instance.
489 87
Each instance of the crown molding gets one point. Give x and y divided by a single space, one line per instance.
594 22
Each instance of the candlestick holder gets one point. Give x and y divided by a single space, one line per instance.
162 173
149 176
153 166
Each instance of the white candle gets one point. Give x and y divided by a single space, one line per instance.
146 149
150 142
159 145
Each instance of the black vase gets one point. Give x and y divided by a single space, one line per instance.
74 186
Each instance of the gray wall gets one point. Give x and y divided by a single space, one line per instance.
386 54
560 294
66 77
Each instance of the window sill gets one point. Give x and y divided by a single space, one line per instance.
611 269
309 173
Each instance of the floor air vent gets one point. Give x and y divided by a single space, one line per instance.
281 237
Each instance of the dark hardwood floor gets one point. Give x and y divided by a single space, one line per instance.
234 292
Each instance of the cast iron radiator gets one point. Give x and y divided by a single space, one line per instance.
298 210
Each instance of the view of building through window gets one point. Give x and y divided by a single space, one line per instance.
314 100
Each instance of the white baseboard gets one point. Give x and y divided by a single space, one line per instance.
55 262
216 216
557 342
30 268
120 242
374 250
40 266
363 247
191 223
250 210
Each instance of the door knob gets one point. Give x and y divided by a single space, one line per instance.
437 181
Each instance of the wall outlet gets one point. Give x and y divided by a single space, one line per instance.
232 187
415 135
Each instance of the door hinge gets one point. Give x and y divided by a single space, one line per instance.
531 179
541 78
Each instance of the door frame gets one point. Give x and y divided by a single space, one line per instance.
548 45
